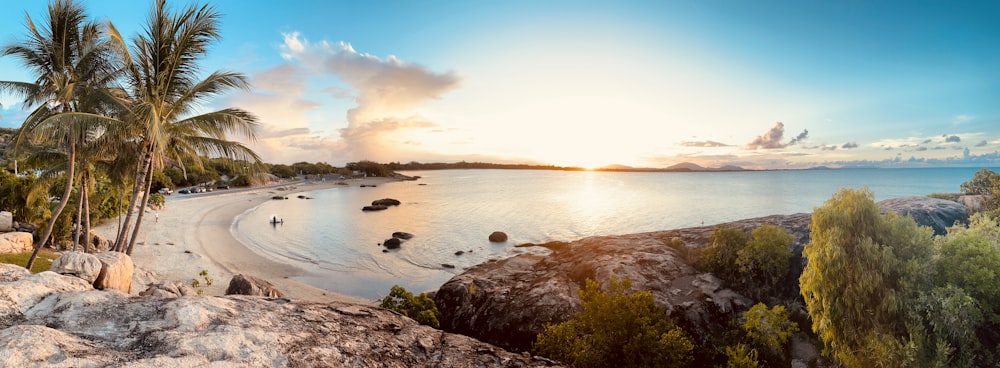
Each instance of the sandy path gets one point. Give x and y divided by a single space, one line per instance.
193 234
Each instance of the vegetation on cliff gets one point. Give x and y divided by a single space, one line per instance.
616 328
420 307
881 292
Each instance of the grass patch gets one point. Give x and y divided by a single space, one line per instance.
42 263
946 196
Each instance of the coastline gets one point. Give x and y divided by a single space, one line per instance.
192 233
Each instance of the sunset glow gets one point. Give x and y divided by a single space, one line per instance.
644 84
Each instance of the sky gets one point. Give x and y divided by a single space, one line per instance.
757 84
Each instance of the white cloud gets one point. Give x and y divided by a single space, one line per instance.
385 92
962 118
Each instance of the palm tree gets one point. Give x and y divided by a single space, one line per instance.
161 77
70 59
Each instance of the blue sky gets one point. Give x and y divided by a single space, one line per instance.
592 83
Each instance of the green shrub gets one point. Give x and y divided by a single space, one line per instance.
763 262
616 328
421 307
769 328
741 356
719 256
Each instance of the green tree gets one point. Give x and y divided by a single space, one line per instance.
73 63
769 328
616 328
763 262
282 171
421 307
982 182
864 269
163 88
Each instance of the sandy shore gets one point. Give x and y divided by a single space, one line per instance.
193 234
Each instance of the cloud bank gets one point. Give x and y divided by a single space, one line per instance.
384 92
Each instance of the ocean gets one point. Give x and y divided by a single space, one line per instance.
449 211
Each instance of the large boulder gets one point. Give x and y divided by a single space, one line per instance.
938 214
15 242
116 272
82 265
6 221
50 320
248 285
508 302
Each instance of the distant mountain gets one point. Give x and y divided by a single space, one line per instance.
685 166
730 168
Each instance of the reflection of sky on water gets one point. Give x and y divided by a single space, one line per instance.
456 210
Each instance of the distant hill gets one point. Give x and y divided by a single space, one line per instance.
685 166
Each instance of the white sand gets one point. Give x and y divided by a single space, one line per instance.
193 234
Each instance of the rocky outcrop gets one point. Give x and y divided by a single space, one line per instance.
168 289
373 208
938 214
508 302
116 272
248 285
392 243
98 244
52 320
82 265
15 242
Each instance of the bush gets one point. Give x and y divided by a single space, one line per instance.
769 328
719 256
616 328
421 307
982 182
763 262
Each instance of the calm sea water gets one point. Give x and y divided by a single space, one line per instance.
456 210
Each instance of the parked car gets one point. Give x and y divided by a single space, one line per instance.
166 191
223 186
184 191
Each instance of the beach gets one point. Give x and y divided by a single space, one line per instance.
192 234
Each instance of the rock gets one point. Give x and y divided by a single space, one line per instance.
385 202
142 279
402 235
938 214
6 221
508 302
16 242
973 202
458 253
249 285
392 243
373 208
447 265
116 272
25 227
98 244
82 265
498 237
52 320
279 197
169 289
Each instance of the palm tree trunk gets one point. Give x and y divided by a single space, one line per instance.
86 218
139 184
62 204
142 213
79 217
